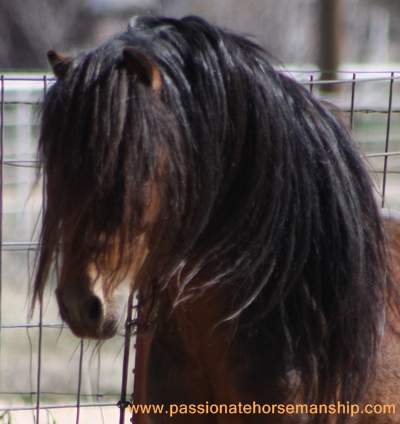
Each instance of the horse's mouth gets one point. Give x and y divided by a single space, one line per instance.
105 331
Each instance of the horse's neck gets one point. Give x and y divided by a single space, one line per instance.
192 359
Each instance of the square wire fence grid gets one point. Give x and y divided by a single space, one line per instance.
47 375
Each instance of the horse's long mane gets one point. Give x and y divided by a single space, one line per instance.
259 190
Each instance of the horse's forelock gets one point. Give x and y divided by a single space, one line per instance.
100 143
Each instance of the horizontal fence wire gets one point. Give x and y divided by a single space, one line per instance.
348 81
58 406
79 398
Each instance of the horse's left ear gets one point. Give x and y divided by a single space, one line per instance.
59 63
142 66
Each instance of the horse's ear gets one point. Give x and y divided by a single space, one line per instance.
142 66
59 63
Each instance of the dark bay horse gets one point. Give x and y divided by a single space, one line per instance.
180 163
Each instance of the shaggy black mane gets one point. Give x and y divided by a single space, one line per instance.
260 188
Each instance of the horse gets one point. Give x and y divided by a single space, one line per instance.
180 163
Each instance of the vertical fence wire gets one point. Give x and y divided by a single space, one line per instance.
40 341
125 363
1 185
1 202
98 368
387 138
98 374
39 367
78 391
353 94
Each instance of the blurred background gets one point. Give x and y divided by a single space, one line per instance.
355 43
292 30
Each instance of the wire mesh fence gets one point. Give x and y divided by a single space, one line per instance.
367 103
46 374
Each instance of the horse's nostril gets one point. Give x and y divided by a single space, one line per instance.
94 309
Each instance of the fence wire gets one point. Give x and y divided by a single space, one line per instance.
365 100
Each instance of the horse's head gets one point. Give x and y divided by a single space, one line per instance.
102 127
